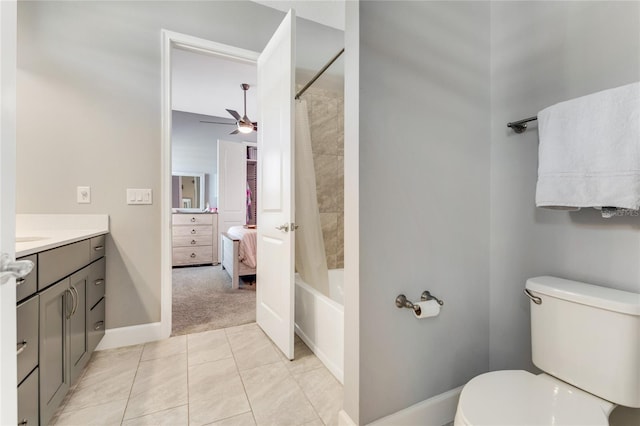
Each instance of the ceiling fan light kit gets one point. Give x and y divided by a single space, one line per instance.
244 125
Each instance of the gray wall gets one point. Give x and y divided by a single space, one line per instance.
194 147
89 114
553 51
424 198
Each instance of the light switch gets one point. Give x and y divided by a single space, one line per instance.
139 196
83 194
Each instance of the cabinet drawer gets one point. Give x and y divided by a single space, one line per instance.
192 231
28 400
96 283
28 285
27 344
200 240
95 325
97 247
192 255
60 262
192 219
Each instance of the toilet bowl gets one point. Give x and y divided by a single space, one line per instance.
587 339
519 398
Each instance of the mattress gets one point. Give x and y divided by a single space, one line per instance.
248 243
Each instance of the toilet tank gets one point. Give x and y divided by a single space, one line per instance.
587 336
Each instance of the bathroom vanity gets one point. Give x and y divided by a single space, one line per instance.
60 310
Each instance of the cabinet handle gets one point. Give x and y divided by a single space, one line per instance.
19 281
98 325
76 300
193 219
21 347
193 255
98 282
193 231
66 303
98 248
193 242
23 422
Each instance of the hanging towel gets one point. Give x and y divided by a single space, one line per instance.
589 154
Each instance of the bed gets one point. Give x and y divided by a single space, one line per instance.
239 253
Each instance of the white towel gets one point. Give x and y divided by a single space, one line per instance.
589 154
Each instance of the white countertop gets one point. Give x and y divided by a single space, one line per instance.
45 232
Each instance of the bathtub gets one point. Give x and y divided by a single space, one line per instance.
320 321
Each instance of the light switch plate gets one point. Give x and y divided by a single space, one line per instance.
83 194
139 196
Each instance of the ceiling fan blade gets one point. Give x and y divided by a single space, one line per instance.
235 132
255 126
216 122
234 114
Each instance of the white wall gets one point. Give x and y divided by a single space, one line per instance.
194 147
424 198
89 114
543 53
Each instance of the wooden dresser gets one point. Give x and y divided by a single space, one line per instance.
195 239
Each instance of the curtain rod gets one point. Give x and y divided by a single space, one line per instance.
521 125
315 77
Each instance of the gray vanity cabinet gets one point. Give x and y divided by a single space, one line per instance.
55 307
28 400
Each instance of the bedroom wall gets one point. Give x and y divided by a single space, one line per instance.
424 198
89 114
552 52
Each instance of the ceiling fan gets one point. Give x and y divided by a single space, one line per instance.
243 123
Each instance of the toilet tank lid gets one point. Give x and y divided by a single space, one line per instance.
587 294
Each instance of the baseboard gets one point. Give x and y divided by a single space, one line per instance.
344 419
133 335
335 370
436 411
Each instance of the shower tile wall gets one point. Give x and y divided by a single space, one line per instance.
326 120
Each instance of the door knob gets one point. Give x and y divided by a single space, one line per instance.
13 268
283 228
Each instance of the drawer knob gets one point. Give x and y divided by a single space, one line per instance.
98 282
193 255
21 347
193 219
193 242
23 422
193 231
20 281
98 325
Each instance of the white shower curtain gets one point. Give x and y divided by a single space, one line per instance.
311 262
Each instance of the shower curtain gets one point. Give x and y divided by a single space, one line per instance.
311 261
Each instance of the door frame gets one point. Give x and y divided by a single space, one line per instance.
172 39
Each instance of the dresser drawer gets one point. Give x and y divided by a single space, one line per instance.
53 265
95 325
28 285
193 219
96 283
27 337
28 404
192 255
97 247
195 241
186 231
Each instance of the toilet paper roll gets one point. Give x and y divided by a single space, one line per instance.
428 309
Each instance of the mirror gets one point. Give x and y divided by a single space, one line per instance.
187 191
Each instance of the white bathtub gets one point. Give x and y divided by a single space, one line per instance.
320 321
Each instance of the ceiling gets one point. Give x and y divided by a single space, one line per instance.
326 12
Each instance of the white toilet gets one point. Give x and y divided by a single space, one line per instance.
587 340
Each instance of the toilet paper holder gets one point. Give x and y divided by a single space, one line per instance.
403 302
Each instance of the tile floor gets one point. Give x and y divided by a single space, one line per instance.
231 376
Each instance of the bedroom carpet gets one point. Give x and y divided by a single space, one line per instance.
203 300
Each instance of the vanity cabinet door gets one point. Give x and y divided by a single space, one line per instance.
78 350
28 400
55 308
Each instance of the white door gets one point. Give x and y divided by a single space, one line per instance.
275 286
232 185
8 369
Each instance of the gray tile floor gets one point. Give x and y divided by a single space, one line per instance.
232 376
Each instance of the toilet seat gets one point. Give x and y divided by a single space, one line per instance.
519 398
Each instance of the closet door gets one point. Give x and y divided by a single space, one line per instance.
232 185
275 285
